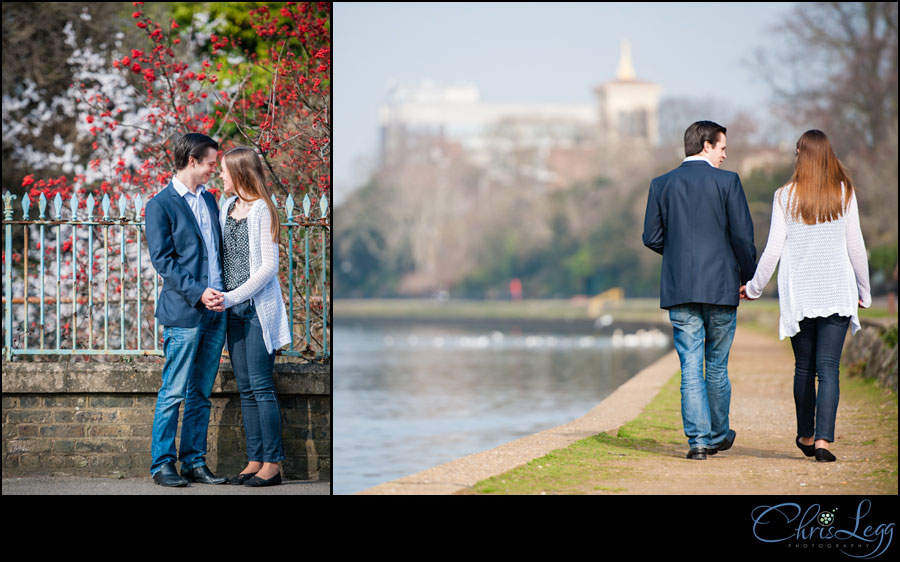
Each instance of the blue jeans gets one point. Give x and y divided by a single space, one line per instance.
703 334
253 365
192 361
817 352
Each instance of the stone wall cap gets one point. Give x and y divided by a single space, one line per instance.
143 378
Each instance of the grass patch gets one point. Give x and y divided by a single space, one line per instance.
879 411
862 389
576 469
889 337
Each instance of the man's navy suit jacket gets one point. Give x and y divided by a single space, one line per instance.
179 255
697 218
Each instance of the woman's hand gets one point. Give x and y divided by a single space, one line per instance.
212 298
217 302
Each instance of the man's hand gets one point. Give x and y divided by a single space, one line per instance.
743 293
213 299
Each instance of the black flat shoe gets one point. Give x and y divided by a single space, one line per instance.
697 453
241 478
202 475
808 450
824 455
257 482
725 444
167 476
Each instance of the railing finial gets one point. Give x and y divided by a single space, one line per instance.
90 207
7 205
289 207
57 203
73 206
105 204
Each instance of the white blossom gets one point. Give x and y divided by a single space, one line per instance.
27 114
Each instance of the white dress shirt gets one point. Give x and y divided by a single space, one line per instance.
201 214
696 159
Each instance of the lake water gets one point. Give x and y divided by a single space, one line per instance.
410 396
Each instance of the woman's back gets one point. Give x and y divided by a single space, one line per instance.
815 266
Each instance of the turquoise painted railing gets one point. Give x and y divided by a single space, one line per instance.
29 330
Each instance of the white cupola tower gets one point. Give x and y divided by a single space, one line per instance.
628 108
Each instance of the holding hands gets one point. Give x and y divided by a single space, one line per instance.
213 299
744 297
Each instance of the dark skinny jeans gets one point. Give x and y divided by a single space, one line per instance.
253 366
817 353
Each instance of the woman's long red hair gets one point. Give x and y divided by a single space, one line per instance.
816 191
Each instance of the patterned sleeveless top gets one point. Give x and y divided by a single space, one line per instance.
237 251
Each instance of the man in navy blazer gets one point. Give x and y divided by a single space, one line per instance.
185 243
698 219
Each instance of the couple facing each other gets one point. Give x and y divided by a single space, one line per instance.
219 270
698 219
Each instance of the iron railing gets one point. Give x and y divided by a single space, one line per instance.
84 280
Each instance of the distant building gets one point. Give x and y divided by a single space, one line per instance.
419 122
628 108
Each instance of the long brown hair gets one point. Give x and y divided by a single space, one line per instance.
248 178
816 191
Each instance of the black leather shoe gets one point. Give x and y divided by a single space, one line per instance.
697 453
168 476
725 444
824 455
808 450
202 475
241 478
257 482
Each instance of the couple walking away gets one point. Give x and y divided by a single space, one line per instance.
697 218
219 271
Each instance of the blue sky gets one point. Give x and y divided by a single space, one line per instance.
536 52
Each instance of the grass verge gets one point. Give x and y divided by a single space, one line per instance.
876 408
574 469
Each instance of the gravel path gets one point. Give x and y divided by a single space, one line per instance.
764 459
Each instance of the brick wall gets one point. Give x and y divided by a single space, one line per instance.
95 419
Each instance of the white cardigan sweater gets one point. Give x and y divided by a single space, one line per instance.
262 286
824 269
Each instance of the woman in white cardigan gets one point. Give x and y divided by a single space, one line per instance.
257 321
822 281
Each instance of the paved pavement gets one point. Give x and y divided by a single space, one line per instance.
70 485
